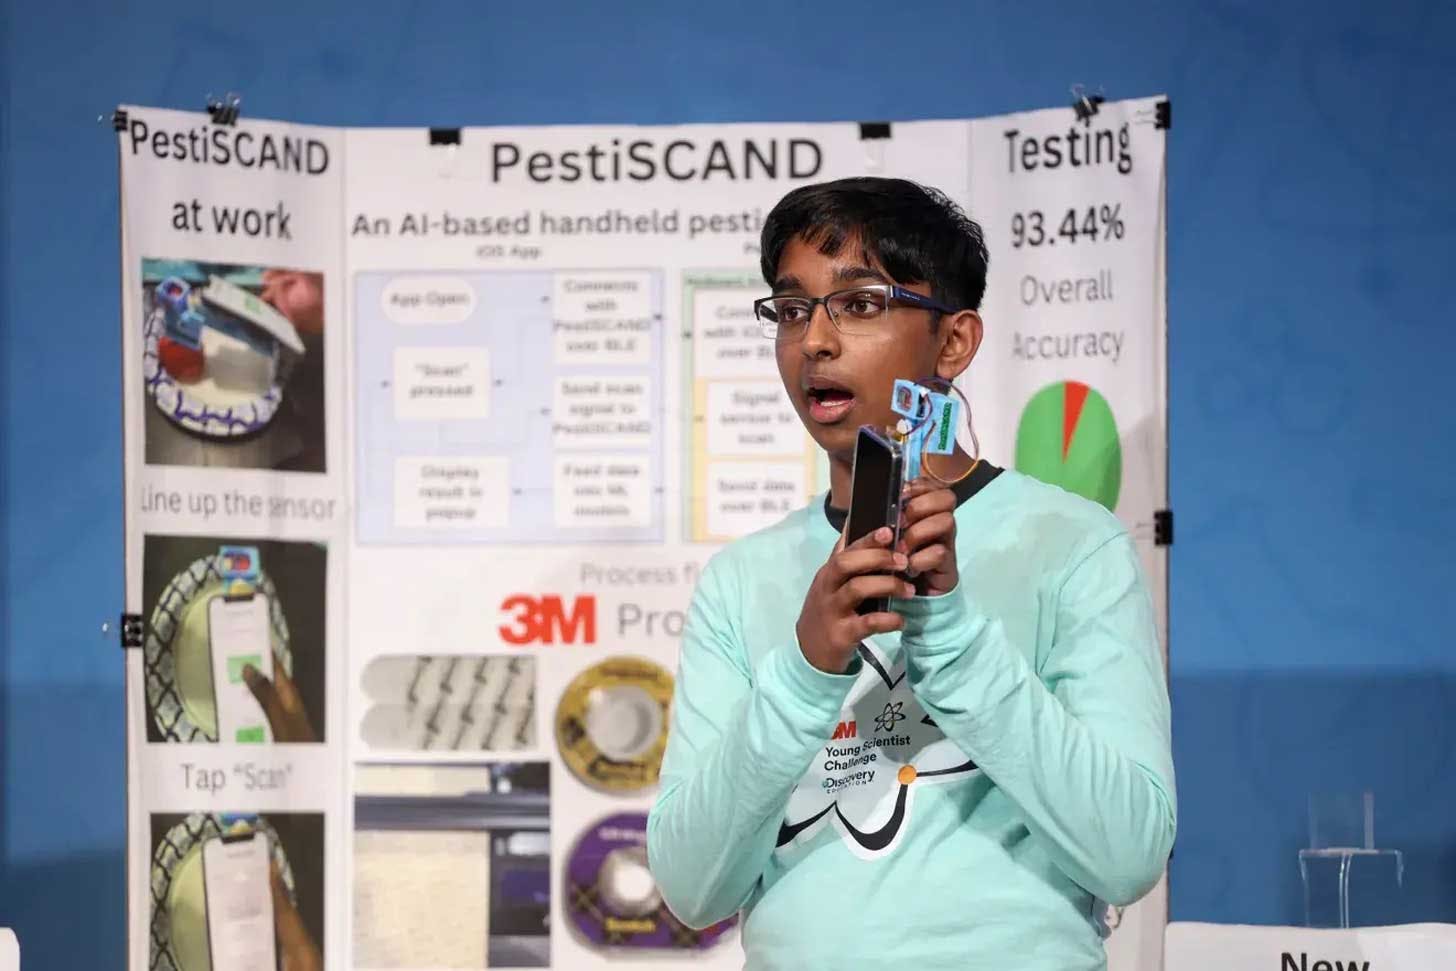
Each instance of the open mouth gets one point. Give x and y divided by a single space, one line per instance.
828 402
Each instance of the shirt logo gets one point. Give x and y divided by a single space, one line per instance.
885 720
865 787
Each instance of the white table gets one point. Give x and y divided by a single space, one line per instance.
1233 947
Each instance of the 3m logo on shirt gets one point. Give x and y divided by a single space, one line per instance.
545 619
846 730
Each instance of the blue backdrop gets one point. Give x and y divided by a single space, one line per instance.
1310 266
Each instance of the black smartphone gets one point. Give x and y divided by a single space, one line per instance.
874 496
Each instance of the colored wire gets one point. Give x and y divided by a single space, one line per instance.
950 387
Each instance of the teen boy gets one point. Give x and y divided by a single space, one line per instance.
966 780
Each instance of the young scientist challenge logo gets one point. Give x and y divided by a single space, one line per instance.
864 781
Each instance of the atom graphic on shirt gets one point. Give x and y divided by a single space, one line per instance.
885 720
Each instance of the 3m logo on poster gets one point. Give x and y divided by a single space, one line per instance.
545 619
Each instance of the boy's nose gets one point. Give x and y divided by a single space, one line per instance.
821 336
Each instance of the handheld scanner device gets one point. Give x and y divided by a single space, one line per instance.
183 323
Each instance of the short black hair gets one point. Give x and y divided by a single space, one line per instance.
914 231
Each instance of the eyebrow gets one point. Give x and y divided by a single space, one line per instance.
844 274
849 274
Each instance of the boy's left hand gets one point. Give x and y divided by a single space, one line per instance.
927 536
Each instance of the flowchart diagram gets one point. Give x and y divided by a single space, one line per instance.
509 406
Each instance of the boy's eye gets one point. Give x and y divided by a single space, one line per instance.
792 312
864 303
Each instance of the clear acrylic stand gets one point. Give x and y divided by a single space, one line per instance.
1342 835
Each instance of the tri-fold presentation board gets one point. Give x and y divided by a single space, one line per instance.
428 437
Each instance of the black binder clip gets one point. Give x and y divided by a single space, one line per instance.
224 110
453 160
874 136
1163 527
118 120
1160 115
1085 105
132 630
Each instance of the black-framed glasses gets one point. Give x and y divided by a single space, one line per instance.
857 310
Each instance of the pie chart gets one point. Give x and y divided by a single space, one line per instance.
1067 437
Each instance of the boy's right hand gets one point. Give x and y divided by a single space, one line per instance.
829 629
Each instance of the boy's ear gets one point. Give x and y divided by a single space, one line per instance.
960 335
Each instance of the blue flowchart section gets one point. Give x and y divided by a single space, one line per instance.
509 407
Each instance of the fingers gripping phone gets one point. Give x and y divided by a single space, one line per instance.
236 883
238 634
874 496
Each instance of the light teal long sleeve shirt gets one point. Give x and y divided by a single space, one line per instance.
971 794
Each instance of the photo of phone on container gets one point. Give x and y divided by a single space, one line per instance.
240 934
238 634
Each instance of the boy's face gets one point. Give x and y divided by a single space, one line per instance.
839 381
